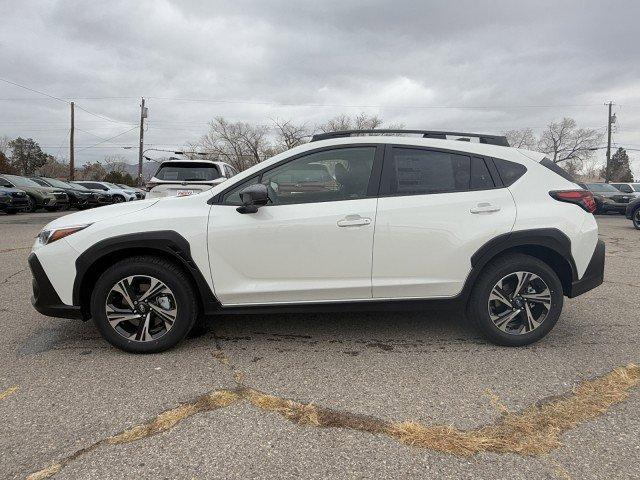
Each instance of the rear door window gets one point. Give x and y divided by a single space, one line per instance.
185 172
413 171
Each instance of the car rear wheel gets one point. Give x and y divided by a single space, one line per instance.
32 205
144 304
635 217
516 300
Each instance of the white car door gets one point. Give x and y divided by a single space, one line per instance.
311 243
436 209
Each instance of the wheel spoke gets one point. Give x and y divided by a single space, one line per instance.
142 334
502 321
531 323
523 280
116 316
123 287
498 294
167 316
155 288
543 297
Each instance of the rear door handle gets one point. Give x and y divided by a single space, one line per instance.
353 221
485 207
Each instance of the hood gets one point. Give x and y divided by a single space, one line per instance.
103 213
9 190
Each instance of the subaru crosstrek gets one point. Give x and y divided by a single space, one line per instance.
345 222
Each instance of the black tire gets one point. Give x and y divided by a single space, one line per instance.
493 272
11 211
635 218
51 209
33 206
165 271
118 199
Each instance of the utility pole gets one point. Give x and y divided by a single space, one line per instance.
143 115
607 175
72 164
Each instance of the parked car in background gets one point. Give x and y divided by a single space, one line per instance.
630 188
79 197
633 212
49 198
611 199
98 197
12 200
187 177
118 194
140 194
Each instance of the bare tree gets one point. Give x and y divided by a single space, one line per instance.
53 169
362 121
115 163
563 141
523 138
4 145
240 144
289 134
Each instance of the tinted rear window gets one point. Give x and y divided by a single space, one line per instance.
554 167
509 171
195 171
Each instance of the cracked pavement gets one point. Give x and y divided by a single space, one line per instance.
70 389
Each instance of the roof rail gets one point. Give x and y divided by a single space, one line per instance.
482 138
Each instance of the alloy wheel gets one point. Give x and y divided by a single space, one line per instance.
636 218
141 308
519 302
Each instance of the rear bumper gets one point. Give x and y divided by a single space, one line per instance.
45 299
593 276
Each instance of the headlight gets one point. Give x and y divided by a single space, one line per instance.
49 236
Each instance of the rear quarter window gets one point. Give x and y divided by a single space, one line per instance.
509 171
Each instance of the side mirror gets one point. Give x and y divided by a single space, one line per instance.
252 197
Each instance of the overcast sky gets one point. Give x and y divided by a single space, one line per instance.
524 63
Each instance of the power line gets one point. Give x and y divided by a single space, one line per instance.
108 139
32 90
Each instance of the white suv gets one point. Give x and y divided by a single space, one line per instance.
341 223
187 177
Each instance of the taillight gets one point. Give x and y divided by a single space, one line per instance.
582 198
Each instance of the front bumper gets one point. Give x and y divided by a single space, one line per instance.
593 276
45 299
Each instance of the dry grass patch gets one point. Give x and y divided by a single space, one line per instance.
168 419
9 391
536 430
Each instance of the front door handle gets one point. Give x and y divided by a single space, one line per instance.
353 221
485 207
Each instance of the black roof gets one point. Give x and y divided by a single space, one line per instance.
482 138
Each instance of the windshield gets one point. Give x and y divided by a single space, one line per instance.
21 181
40 181
77 186
636 186
112 185
602 187
192 171
57 183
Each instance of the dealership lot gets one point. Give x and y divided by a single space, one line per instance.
63 389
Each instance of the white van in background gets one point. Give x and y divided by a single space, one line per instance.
187 177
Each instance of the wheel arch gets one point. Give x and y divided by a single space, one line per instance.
550 245
166 244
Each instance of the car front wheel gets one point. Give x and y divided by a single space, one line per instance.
636 218
516 300
144 304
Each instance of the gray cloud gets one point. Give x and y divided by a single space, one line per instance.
497 54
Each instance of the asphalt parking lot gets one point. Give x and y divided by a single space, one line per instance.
313 396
